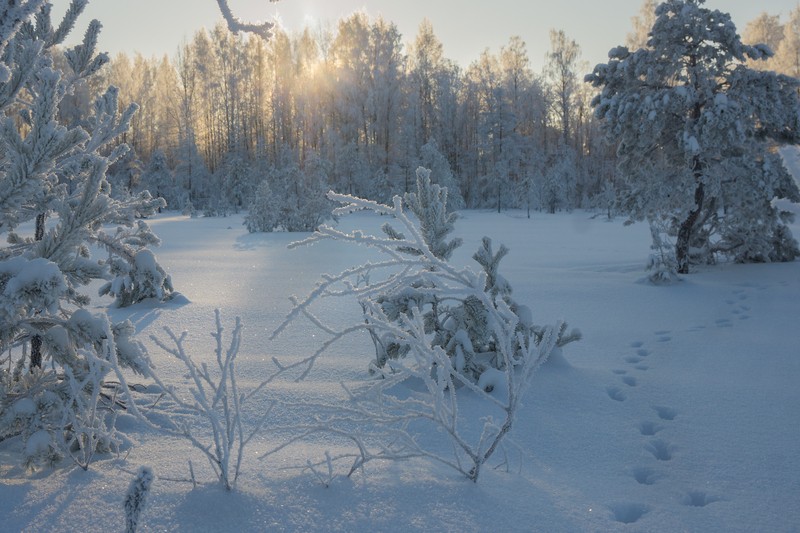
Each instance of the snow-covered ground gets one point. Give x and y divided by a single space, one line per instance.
678 411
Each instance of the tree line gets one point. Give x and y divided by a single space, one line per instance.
357 107
354 109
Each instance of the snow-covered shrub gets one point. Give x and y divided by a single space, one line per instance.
138 279
136 497
263 213
54 201
290 198
458 320
440 332
158 179
558 184
752 229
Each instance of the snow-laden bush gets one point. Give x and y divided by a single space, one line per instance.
458 320
263 213
441 333
290 198
138 279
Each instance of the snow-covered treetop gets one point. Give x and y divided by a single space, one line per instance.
690 92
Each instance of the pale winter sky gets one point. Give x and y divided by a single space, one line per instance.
466 28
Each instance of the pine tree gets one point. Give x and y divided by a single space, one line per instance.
432 159
53 184
459 324
262 213
694 126
158 180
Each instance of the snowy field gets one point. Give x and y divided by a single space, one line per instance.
679 410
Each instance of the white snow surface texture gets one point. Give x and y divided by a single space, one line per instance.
679 410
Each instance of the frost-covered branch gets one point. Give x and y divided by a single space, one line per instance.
263 29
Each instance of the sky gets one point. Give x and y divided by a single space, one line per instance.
465 28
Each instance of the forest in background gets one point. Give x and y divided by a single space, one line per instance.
354 109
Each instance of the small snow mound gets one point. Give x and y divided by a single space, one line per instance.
38 443
557 360
525 316
178 298
24 407
492 379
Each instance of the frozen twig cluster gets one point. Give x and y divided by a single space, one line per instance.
217 400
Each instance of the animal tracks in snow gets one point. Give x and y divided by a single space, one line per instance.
656 446
645 475
649 428
665 413
738 303
615 393
660 449
628 513
698 498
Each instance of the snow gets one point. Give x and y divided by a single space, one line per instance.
38 280
24 407
38 443
492 379
678 410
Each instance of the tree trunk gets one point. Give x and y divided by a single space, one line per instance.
36 340
687 230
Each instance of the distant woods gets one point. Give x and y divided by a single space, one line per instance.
356 105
